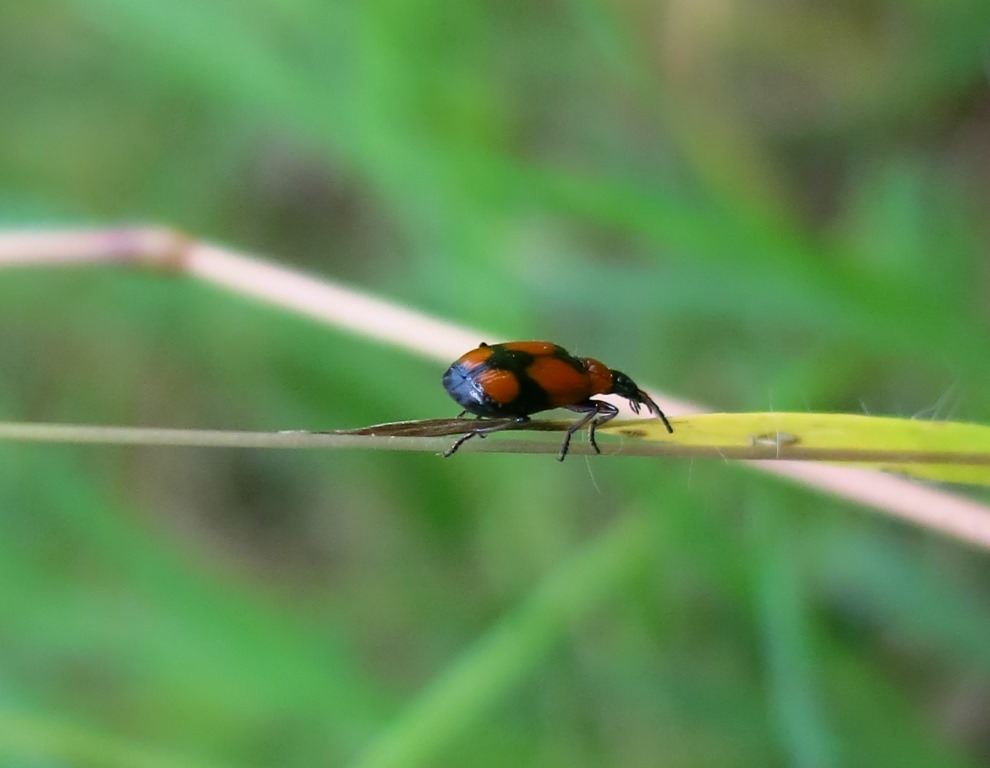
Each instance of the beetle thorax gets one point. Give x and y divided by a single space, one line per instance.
599 376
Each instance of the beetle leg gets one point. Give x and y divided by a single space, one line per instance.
574 428
483 432
606 412
595 411
461 415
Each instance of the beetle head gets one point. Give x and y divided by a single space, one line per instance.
625 387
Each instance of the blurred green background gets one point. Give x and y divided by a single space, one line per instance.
762 205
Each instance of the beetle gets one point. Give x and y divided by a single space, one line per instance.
519 378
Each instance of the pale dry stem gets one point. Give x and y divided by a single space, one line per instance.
431 337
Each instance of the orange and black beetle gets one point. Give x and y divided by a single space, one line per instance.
519 378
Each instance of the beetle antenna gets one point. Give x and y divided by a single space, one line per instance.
653 408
